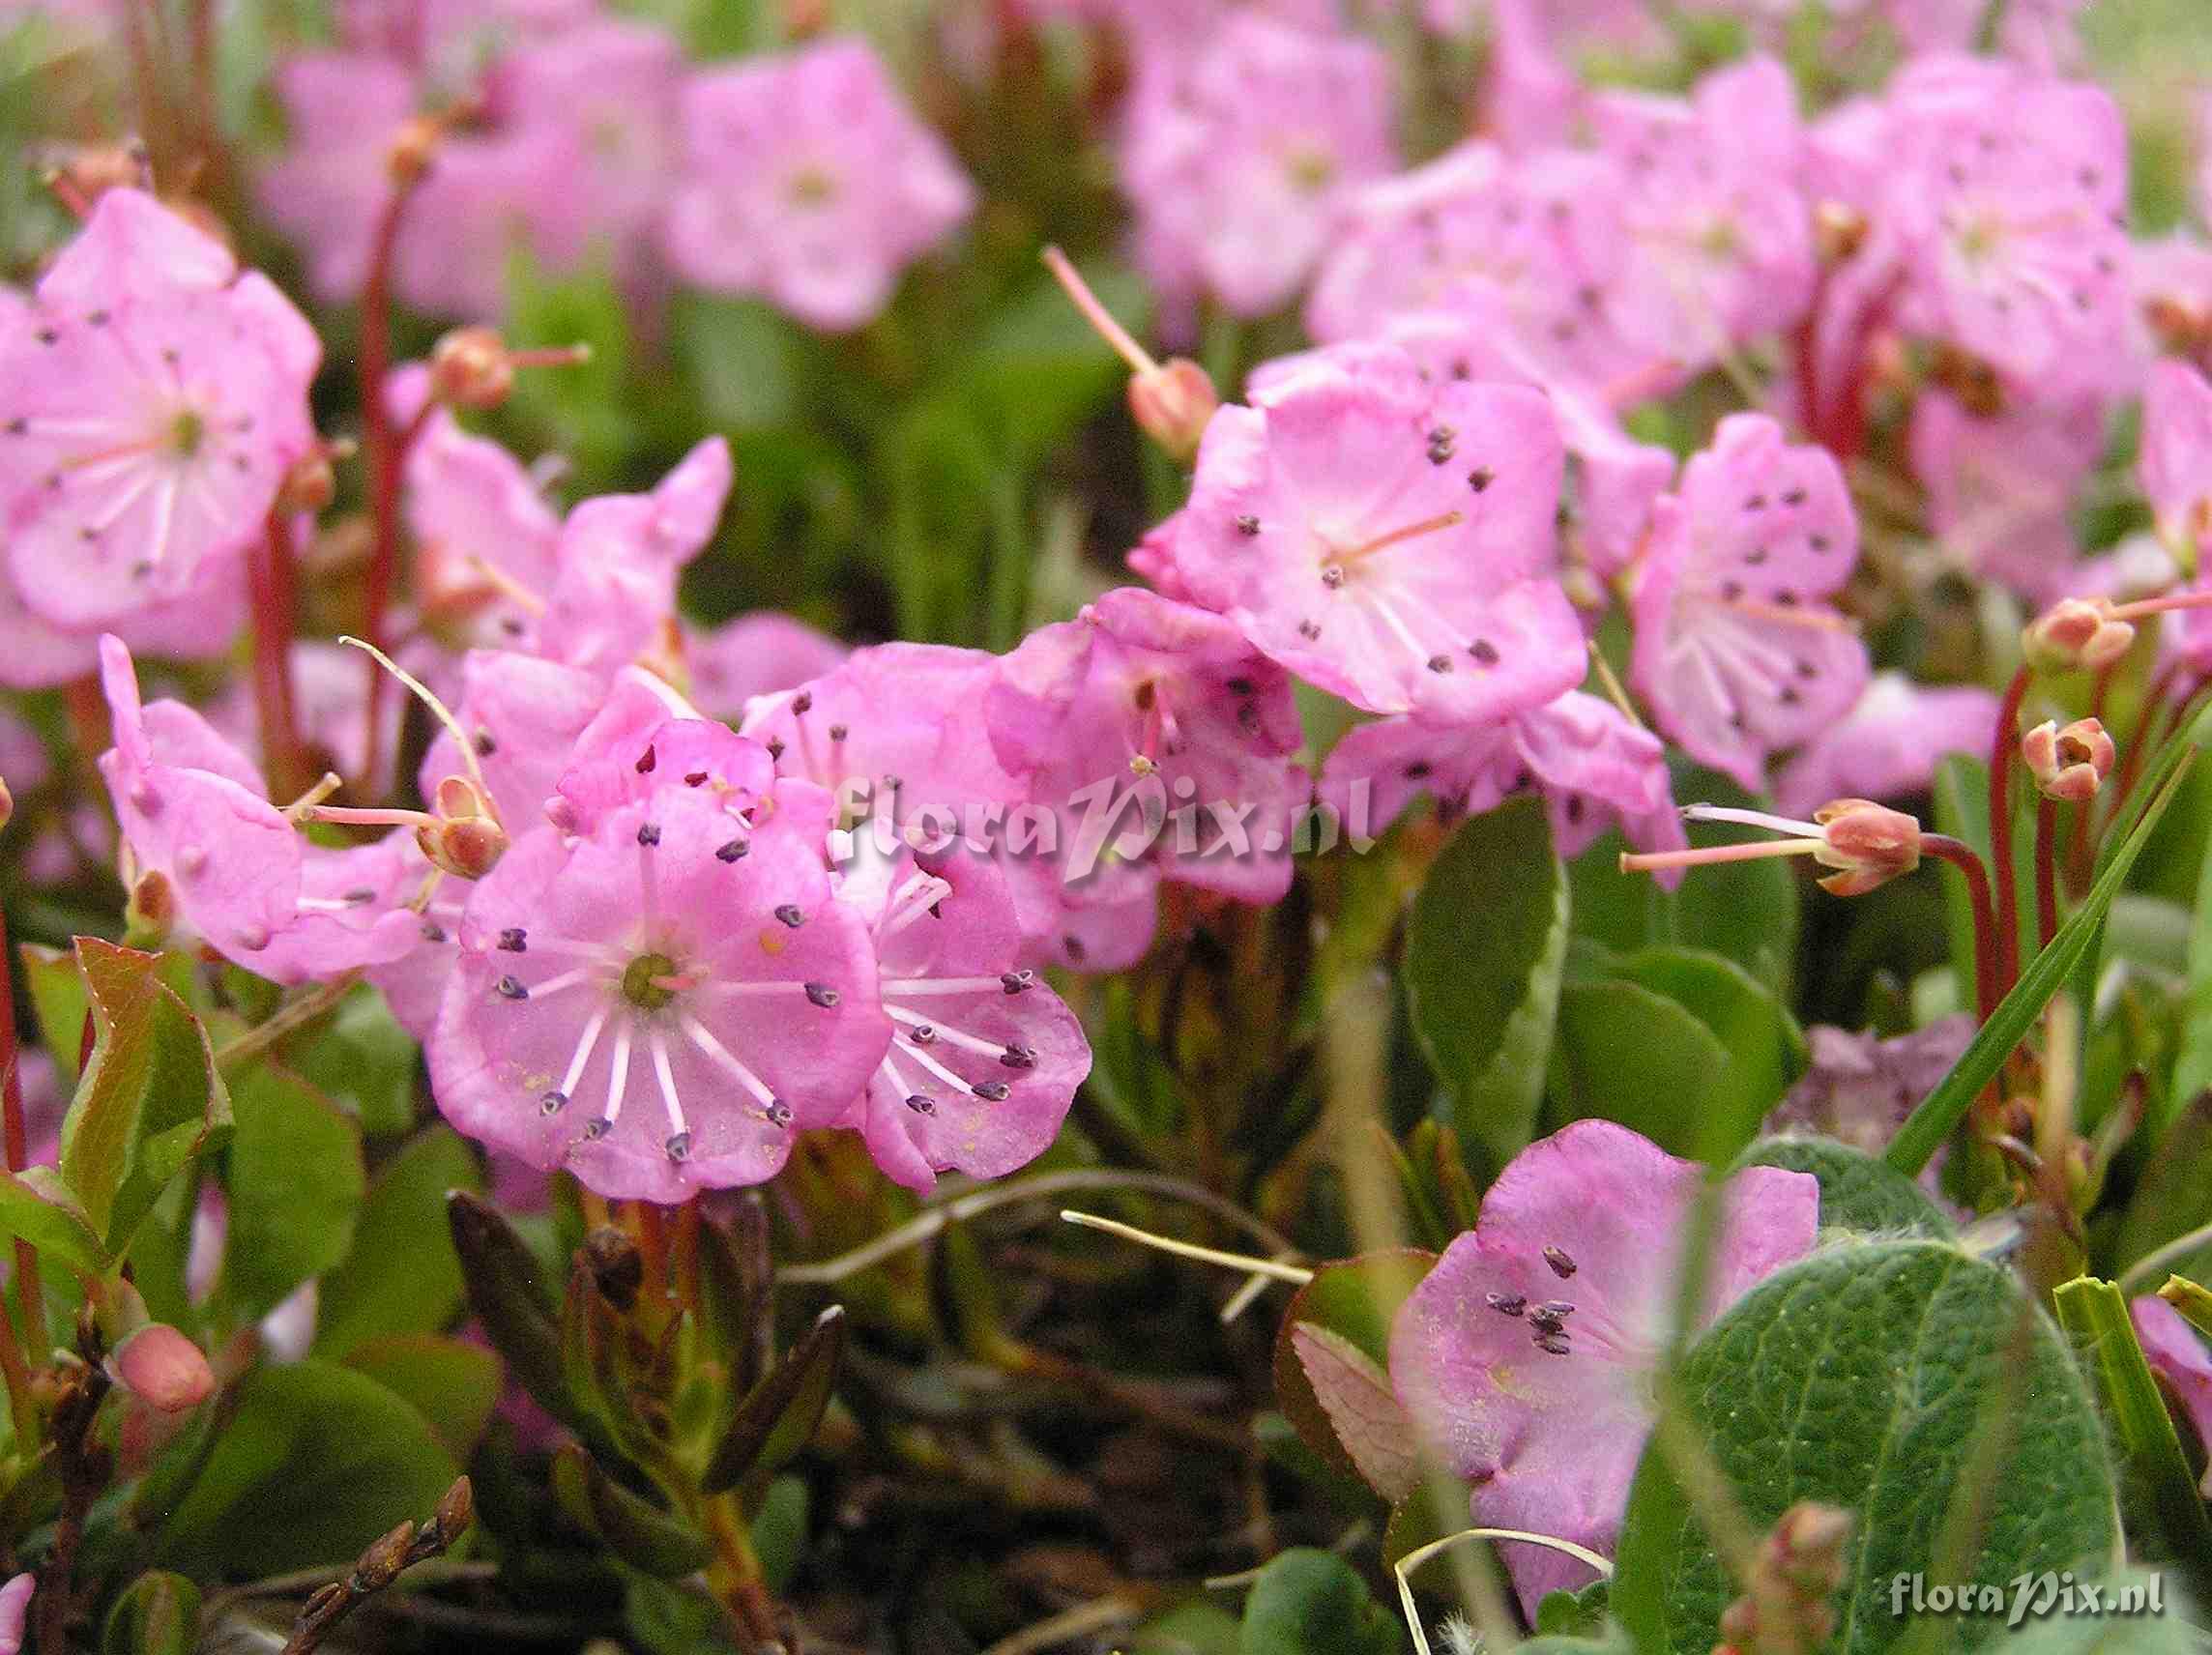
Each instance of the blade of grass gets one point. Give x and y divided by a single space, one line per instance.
1929 1125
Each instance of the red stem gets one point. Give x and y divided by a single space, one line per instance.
385 452
2047 869
269 570
1962 857
2002 748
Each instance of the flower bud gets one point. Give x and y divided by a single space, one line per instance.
1869 844
2076 634
457 1510
1172 405
2069 763
162 1368
409 157
380 1565
7 804
152 910
467 847
1839 230
15 1608
617 1267
310 485
2183 324
470 368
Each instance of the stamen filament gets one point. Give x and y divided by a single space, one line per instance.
945 1031
1078 293
583 1044
505 585
697 1033
1789 615
618 1073
352 816
1747 818
1648 862
667 1076
1397 536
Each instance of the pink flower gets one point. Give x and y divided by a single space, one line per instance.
634 748
754 655
985 1058
2001 491
2177 1355
15 1607
1889 744
1526 1355
2176 460
1241 157
681 942
1737 653
1858 1087
1142 697
1719 247
157 397
343 109
1388 539
1593 767
1526 248
37 654
807 180
2008 191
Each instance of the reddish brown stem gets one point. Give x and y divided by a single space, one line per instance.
269 570
2003 748
1962 857
2047 869
385 452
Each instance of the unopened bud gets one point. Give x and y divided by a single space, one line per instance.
1867 843
467 848
617 1267
381 1563
412 148
1172 405
470 367
455 1512
1807 1546
162 1368
2076 634
310 485
1839 230
152 909
2069 763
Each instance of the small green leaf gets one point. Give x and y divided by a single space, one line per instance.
317 1462
1484 1014
1361 1409
2095 1317
1766 1047
149 1101
1354 1299
635 1529
2192 1069
1858 1192
777 1417
360 1057
1929 1125
452 1384
1862 1378
1309 1601
779 1532
60 1002
37 1207
295 1188
158 1615
1630 1054
402 1275
1187 1629
508 1292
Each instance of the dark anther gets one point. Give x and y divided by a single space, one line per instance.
1562 1267
1506 1303
646 761
789 913
993 1092
733 850
821 994
514 940
510 988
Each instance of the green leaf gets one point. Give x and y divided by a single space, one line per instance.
1857 1191
150 1099
295 1188
779 1532
1310 1602
1356 1300
1362 1410
1187 1629
1863 1378
318 1462
360 1057
158 1615
452 1384
635 1529
1929 1125
740 358
35 1207
1629 1054
402 1275
2095 1316
777 1417
1484 1014
2141 1611
508 1293
59 1002
1766 1047
2192 1069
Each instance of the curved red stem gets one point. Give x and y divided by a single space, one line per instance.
1960 856
2002 747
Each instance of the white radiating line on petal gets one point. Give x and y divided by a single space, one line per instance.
584 1045
676 1126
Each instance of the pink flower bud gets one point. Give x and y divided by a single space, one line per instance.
2074 634
162 1368
7 805
1869 844
468 847
1172 405
2069 763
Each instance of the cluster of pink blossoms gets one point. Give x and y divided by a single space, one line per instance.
582 137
